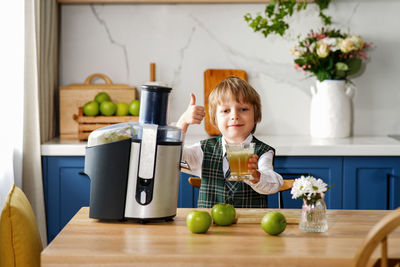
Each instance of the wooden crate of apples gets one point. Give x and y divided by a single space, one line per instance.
102 111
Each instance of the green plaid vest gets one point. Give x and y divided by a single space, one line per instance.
215 188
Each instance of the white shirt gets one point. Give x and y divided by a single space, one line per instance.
270 181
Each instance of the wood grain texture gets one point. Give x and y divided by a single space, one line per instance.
74 96
152 72
161 1
92 242
212 77
87 124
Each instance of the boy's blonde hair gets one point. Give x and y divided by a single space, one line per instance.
241 91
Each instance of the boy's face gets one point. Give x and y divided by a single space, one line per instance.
235 120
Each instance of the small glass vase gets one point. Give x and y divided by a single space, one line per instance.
313 216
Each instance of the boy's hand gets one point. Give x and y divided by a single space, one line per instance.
252 165
194 114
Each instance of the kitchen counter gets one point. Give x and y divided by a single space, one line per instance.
284 145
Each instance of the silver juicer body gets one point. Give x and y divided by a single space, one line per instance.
148 199
134 167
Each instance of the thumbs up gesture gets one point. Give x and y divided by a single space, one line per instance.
194 114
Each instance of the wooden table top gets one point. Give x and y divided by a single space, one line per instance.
93 242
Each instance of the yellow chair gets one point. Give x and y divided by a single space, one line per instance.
378 234
287 185
20 243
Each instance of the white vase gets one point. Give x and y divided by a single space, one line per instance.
331 109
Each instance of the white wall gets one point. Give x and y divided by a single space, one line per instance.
186 39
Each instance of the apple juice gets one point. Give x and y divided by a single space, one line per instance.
238 157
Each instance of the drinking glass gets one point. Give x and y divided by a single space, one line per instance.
238 156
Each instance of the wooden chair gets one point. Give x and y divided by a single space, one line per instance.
287 185
378 234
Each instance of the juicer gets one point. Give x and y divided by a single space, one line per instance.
134 167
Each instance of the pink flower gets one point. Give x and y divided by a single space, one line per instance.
368 45
363 55
321 36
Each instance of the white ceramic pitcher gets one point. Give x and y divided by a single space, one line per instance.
331 109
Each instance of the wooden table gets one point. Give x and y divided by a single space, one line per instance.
92 242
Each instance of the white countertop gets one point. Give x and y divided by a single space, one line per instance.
284 146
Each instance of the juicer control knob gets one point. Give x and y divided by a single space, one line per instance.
143 197
144 191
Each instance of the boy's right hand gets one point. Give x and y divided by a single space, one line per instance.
194 114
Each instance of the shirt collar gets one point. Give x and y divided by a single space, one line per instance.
246 141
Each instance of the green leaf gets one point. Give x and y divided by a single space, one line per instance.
301 5
322 75
327 20
330 63
270 9
340 75
247 17
322 4
300 61
354 65
273 21
340 66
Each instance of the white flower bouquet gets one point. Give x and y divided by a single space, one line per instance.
309 188
330 54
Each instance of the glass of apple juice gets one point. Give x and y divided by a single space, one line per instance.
238 156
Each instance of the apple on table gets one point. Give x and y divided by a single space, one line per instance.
198 221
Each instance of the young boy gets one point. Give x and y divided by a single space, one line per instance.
235 109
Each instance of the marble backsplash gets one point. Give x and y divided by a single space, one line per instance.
186 39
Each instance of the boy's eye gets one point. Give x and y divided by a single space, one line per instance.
225 110
244 109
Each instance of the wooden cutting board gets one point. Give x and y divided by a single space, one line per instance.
211 79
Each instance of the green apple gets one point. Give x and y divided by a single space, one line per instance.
108 108
198 221
122 109
91 108
223 214
134 107
101 97
273 223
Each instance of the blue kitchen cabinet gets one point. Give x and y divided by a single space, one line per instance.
358 183
371 183
328 169
188 194
66 190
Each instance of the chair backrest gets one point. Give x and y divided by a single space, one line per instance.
20 243
378 234
287 185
